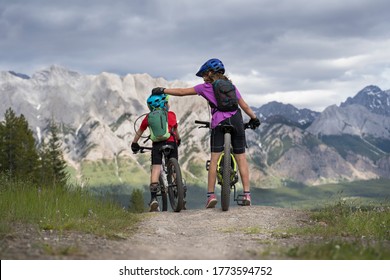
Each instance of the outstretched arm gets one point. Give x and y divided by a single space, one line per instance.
180 91
174 91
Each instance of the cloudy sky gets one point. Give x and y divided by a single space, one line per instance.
307 53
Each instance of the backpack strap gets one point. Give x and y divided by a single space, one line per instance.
214 108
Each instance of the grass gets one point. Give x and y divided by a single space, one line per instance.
109 172
300 196
345 231
61 209
339 250
342 230
61 251
346 219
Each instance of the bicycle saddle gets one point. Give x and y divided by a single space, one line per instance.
227 127
166 149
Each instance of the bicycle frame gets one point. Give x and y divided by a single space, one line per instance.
170 179
238 198
233 178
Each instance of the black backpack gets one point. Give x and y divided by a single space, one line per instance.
225 94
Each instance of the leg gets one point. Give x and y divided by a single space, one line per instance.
212 175
155 174
154 186
212 178
244 170
244 173
216 144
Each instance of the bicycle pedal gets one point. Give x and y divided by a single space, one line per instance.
207 165
240 199
235 179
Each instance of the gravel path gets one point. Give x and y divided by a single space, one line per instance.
255 232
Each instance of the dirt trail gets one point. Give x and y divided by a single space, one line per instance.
240 233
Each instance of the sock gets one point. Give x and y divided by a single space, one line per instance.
209 194
245 192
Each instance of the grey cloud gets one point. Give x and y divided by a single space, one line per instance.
294 45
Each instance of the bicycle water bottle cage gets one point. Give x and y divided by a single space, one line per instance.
167 149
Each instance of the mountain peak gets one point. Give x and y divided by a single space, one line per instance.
303 117
373 98
54 72
370 90
19 75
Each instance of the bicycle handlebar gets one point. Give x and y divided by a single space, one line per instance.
207 124
142 149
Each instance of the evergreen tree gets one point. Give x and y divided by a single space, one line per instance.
53 165
136 201
18 154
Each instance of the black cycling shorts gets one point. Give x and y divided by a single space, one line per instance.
238 135
157 155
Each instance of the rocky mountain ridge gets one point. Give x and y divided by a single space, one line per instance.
97 115
275 110
373 98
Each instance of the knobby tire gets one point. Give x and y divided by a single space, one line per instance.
225 188
175 185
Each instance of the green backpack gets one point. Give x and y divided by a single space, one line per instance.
158 125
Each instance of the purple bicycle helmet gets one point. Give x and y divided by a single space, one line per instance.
213 64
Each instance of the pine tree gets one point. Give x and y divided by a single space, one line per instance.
53 166
136 201
18 154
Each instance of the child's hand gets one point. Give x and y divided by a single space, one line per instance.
135 147
254 123
158 91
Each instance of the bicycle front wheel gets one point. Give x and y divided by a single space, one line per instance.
225 188
175 185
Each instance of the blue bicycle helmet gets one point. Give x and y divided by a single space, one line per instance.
157 101
213 64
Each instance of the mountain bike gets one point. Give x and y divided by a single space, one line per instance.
227 175
171 182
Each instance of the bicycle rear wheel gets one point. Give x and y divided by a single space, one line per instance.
225 187
175 185
164 196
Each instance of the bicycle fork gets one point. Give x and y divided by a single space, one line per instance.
238 198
